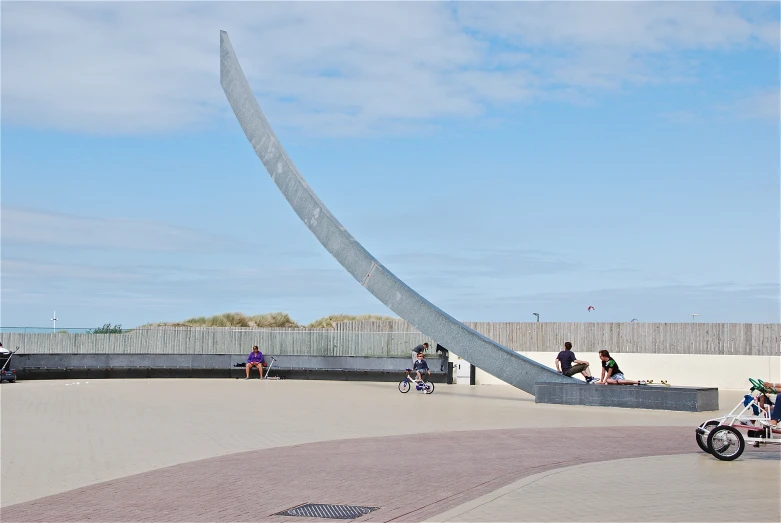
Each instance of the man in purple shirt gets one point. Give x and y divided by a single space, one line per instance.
568 364
255 359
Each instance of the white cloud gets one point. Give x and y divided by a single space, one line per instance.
66 230
502 264
20 269
638 26
34 281
716 302
764 105
342 68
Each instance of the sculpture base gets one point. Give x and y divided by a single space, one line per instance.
655 397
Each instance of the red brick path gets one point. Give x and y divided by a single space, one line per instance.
410 478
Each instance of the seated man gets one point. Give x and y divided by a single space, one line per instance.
419 367
255 359
611 374
564 364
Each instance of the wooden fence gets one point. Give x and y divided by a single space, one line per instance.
396 338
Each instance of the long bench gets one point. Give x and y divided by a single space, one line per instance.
103 366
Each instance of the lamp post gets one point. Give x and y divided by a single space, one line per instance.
54 322
694 316
538 316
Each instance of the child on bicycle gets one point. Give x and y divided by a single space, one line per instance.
420 366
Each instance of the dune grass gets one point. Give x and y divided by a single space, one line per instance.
268 320
235 319
327 322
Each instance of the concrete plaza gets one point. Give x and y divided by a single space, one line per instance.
235 450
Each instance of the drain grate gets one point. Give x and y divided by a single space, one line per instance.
322 510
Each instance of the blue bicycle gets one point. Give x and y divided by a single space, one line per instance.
425 387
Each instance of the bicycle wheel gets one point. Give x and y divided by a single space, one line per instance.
702 435
726 443
404 386
429 387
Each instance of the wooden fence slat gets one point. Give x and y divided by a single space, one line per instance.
397 337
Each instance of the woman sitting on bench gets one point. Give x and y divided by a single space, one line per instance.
255 359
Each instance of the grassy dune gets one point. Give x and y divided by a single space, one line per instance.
271 319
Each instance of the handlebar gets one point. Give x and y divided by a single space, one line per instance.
761 386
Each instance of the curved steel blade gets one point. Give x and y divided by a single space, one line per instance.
477 349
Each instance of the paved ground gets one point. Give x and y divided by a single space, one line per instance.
203 450
692 487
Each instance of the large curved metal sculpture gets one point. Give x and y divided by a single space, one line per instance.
479 350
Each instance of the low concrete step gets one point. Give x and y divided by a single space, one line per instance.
656 397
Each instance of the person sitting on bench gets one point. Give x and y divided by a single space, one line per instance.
255 359
611 374
569 365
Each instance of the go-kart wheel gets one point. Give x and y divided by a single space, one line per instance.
429 387
404 386
701 435
726 443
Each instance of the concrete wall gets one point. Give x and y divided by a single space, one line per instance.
694 370
209 361
129 366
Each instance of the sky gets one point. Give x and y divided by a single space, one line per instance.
500 158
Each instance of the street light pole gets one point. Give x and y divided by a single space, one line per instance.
694 315
54 322
538 316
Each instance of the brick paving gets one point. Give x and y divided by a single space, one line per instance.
59 435
411 477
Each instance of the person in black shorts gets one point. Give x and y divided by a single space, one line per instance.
564 364
443 360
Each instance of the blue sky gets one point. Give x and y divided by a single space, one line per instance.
500 158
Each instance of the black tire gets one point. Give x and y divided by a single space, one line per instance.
725 438
404 386
702 439
429 387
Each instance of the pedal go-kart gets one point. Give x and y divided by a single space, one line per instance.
724 437
405 385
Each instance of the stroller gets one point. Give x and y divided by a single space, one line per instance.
6 372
